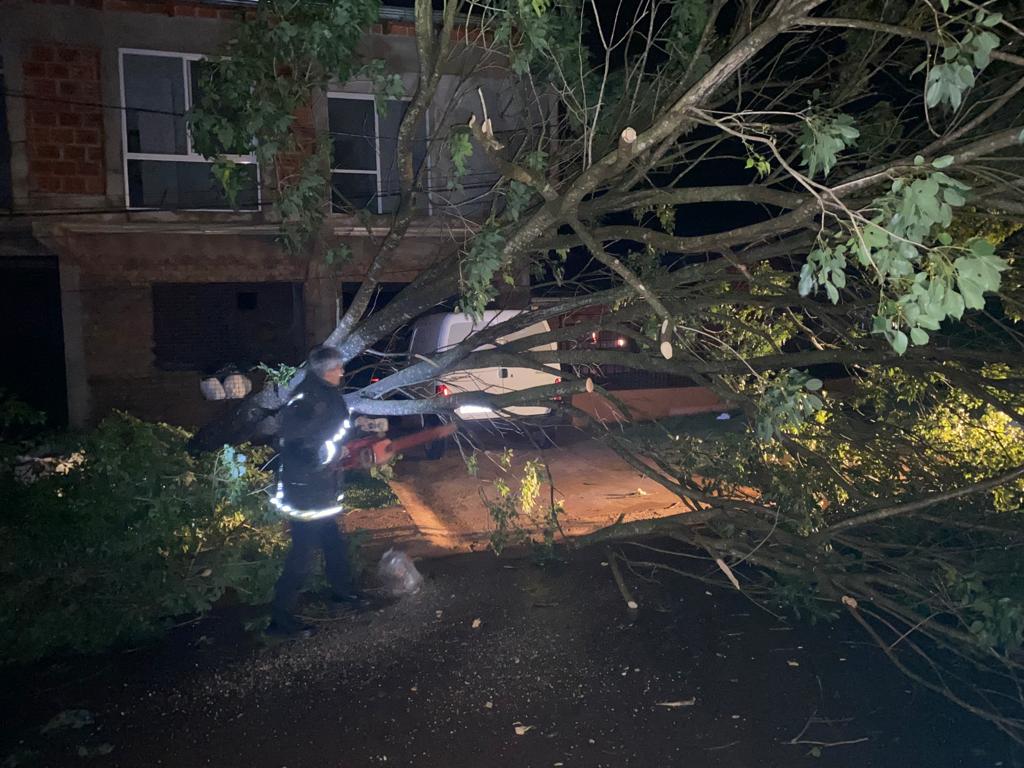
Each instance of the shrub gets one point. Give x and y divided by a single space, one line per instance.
126 532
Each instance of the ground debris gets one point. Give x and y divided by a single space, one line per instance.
676 704
69 718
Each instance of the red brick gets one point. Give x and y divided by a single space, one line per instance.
178 9
84 70
94 186
46 151
38 134
73 185
206 13
42 167
90 169
89 92
92 119
70 119
34 69
68 54
94 153
47 183
138 7
42 117
65 88
57 71
73 152
40 87
87 136
65 167
403 28
41 53
62 135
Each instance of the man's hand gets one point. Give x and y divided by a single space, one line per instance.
377 426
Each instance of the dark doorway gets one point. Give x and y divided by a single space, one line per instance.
32 334
207 326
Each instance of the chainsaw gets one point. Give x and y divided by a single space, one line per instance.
376 449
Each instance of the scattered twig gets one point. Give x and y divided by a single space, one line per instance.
627 595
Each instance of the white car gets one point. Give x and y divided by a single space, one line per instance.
436 333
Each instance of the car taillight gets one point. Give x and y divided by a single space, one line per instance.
442 390
558 379
375 379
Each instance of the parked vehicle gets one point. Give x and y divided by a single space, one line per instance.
436 333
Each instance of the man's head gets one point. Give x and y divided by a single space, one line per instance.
326 364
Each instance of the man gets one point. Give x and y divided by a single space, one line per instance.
313 426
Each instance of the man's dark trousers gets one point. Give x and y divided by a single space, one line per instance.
307 538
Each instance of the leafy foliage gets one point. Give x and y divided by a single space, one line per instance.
17 417
923 275
130 537
823 138
787 402
280 374
517 514
962 61
247 100
480 265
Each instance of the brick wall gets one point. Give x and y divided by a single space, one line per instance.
163 7
64 120
304 131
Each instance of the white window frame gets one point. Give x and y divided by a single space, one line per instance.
376 143
191 156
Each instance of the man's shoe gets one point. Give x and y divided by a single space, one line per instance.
288 628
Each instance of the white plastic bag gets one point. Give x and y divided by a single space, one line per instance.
398 574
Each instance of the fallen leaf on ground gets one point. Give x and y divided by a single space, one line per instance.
793 663
476 623
521 730
102 749
69 718
677 704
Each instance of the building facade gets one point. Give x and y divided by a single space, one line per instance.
126 276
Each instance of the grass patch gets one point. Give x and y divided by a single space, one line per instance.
365 492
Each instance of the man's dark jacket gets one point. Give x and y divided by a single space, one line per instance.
313 427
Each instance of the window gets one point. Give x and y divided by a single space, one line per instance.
204 326
162 169
5 147
365 148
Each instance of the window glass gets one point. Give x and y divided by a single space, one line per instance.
154 95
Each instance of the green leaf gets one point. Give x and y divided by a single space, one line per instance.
943 162
982 248
919 160
833 294
813 384
918 336
953 197
899 342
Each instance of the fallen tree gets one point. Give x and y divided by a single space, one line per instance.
754 194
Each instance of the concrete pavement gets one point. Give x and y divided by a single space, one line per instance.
443 510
